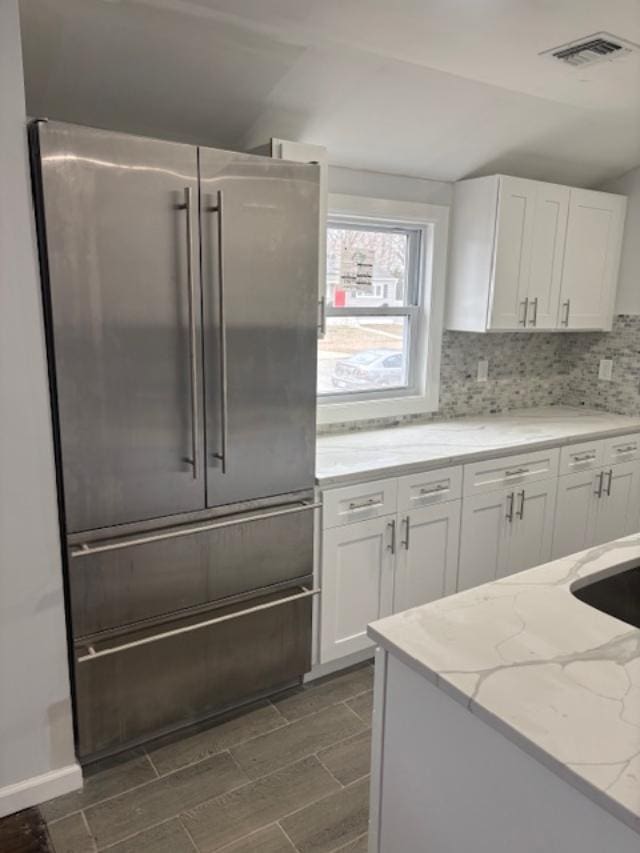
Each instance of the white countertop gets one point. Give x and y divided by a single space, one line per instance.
556 676
367 455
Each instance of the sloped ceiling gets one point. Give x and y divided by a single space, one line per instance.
441 89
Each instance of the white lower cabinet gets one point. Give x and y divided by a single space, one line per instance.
427 557
389 545
505 532
596 506
357 583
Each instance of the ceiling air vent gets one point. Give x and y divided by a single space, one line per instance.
594 48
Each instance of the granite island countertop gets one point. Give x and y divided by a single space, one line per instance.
557 677
366 455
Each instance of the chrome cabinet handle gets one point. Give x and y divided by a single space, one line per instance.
586 457
87 550
322 325
92 654
567 308
438 488
607 489
628 449
524 302
518 472
354 507
510 500
392 544
407 530
598 492
193 351
534 319
224 438
520 512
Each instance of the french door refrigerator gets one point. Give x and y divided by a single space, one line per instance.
180 288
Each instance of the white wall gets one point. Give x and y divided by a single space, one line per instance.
382 185
628 300
36 740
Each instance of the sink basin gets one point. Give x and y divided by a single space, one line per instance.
617 595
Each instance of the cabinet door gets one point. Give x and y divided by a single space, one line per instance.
576 508
591 261
618 506
357 583
512 259
532 527
484 538
545 271
427 560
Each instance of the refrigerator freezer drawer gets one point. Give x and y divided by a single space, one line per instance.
161 678
187 567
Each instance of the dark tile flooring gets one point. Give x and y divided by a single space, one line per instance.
285 775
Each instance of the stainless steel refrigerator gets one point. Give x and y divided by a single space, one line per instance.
180 291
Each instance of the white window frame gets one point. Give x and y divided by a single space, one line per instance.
433 221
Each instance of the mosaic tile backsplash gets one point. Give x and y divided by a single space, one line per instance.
532 369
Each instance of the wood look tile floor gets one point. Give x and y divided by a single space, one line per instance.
290 775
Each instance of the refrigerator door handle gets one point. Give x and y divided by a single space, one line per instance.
86 550
193 352
92 654
224 417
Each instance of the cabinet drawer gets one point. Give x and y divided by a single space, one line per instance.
624 448
359 502
432 487
494 474
581 457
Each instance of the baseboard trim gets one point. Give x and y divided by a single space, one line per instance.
322 669
38 789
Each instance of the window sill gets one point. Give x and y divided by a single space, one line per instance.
362 410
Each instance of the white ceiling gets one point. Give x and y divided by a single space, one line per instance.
436 88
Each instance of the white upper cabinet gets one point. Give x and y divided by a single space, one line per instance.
530 255
591 259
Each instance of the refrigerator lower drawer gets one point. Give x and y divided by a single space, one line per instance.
120 582
141 684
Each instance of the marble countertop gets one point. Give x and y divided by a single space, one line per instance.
367 455
554 675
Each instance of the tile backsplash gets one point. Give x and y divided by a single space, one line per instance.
581 354
532 369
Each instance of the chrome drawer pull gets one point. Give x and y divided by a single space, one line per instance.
92 654
86 550
628 449
438 488
354 507
586 457
516 473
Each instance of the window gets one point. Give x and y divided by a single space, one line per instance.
372 311
383 308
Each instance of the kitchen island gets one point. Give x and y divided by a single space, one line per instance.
507 717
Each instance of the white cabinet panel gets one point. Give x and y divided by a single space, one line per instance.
427 559
592 258
581 457
618 506
624 448
516 210
357 584
484 538
576 508
514 471
359 502
547 253
532 527
432 487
